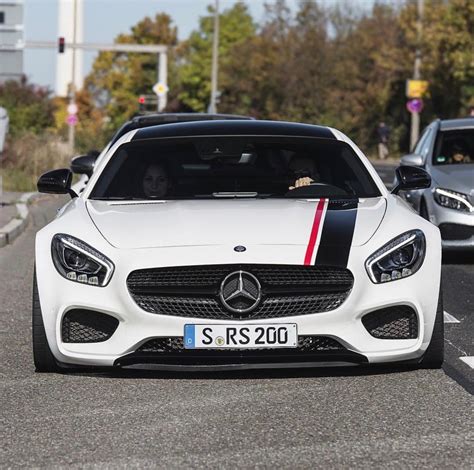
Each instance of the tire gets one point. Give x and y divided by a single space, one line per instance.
42 355
424 210
433 357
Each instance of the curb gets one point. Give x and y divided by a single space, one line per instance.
10 231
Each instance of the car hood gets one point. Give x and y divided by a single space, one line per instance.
130 225
458 178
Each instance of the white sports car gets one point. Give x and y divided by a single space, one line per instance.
236 244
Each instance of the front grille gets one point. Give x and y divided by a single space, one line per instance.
87 326
193 291
456 231
174 345
399 322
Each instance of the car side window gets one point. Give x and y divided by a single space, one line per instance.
421 142
426 145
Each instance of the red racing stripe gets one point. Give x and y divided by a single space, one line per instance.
314 232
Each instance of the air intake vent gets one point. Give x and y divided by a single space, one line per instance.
399 322
87 326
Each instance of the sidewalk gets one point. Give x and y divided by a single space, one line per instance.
13 215
8 210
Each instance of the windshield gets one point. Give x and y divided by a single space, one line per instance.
454 147
234 167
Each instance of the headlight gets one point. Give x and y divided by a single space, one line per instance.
79 262
399 258
453 200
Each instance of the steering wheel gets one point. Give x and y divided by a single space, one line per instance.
316 190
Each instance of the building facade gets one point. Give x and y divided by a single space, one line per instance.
11 40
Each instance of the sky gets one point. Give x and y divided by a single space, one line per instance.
105 19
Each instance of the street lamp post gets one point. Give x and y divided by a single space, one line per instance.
215 59
72 92
415 116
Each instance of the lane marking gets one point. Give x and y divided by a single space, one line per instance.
448 318
469 360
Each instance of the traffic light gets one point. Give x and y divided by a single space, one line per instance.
141 103
61 45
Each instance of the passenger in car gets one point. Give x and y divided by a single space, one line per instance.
156 181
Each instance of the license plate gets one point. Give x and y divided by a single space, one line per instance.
282 335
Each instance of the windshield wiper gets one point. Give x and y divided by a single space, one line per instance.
230 194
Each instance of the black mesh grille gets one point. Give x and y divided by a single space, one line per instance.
399 322
87 326
306 344
212 276
193 291
456 231
274 307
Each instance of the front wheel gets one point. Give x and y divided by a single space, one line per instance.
42 355
434 355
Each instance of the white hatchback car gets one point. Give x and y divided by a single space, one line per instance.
236 244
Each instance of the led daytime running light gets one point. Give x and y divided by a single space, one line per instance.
453 195
98 274
395 269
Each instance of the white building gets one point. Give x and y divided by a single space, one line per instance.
11 40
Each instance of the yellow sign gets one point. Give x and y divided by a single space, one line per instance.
160 89
416 88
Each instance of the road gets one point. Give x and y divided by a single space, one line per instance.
328 418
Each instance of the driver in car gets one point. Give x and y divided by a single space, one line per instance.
305 171
459 153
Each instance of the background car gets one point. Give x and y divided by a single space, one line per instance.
193 246
84 165
446 151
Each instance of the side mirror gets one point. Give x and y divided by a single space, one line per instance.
411 177
56 182
412 159
83 165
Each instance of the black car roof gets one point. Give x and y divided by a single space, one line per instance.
148 120
215 128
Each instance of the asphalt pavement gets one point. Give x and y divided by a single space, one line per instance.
326 418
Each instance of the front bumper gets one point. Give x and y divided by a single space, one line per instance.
136 326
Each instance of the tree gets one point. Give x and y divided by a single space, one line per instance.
195 55
30 108
447 54
117 79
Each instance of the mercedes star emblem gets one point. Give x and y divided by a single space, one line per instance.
240 292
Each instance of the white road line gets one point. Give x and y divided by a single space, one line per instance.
469 360
448 318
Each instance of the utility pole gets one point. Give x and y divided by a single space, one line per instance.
215 59
72 92
415 116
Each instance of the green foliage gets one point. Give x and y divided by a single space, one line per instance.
29 107
236 26
326 63
117 79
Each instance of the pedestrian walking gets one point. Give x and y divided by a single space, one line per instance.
383 134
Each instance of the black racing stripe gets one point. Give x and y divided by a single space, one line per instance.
336 237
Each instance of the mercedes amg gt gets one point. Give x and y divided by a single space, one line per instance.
236 245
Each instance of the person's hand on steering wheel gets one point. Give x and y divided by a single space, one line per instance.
300 182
